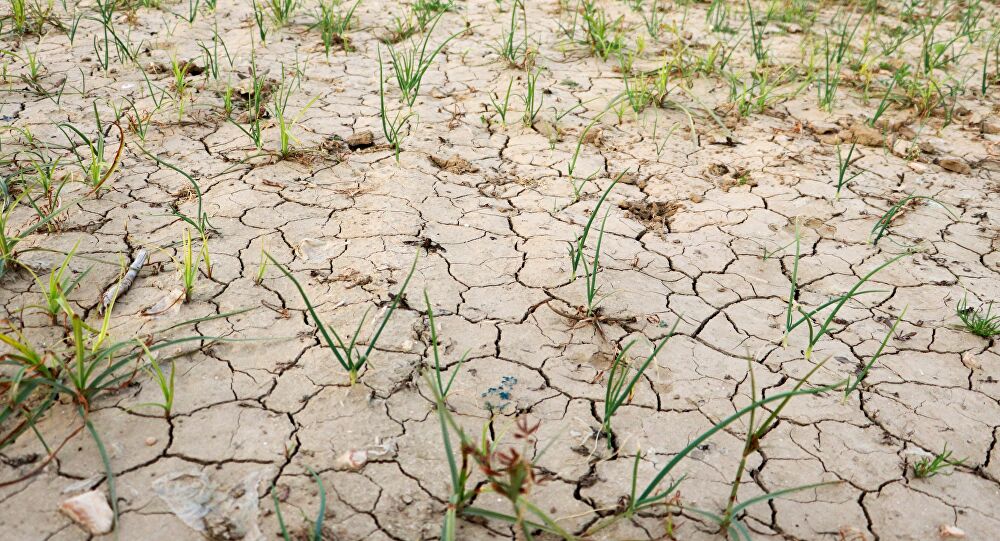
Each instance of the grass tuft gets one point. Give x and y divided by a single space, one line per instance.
978 321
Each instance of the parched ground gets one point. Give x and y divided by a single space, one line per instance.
700 231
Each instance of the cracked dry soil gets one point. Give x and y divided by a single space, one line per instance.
699 231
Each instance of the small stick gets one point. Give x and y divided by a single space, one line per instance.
126 282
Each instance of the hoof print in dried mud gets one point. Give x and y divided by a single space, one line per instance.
468 270
652 214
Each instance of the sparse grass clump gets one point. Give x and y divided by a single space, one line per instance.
394 128
532 99
333 23
409 66
281 11
978 321
58 286
604 36
513 46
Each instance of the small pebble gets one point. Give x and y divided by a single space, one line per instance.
150 441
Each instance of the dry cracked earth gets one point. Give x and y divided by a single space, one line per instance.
700 231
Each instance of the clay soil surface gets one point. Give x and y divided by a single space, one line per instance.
723 131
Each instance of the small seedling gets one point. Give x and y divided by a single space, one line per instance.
262 265
333 25
604 36
883 105
314 534
410 66
163 381
929 467
842 165
717 16
511 48
260 21
281 11
653 21
425 11
348 354
728 520
180 73
827 86
592 270
532 99
576 248
95 169
881 227
837 303
189 264
59 285
579 183
993 46
638 91
210 55
502 109
279 111
255 106
394 130
757 35
138 122
622 379
441 387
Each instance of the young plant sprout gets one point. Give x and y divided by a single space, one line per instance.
929 467
392 129
622 379
410 66
316 532
842 165
576 248
333 25
95 168
816 333
350 355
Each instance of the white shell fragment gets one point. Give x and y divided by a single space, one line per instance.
355 459
91 511
951 532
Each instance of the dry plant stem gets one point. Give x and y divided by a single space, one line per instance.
125 283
